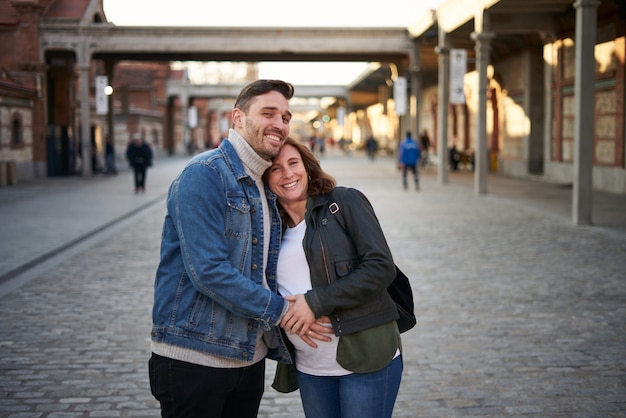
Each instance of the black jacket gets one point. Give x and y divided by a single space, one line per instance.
139 155
351 264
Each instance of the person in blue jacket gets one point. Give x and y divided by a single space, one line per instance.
409 157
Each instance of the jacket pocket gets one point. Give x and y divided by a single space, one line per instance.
344 267
238 224
369 350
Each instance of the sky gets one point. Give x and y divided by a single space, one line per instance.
276 13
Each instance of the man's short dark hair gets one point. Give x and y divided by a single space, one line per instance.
260 87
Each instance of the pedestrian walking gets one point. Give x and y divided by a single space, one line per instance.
371 146
454 157
409 157
216 307
109 156
139 156
337 280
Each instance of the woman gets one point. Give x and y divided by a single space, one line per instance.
334 266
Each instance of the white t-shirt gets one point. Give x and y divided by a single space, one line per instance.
294 277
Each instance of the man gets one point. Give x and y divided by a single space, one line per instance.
139 156
409 157
216 309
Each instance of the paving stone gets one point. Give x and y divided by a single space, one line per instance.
520 313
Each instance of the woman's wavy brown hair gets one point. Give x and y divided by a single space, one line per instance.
320 182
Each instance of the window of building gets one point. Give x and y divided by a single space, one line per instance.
17 131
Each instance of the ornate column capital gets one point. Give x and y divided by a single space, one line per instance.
482 36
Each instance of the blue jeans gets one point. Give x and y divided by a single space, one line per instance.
357 395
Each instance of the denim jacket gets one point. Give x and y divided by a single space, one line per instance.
209 293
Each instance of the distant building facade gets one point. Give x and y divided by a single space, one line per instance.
530 100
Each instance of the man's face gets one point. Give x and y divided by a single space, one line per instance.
266 125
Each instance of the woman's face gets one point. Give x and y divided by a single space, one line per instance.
287 177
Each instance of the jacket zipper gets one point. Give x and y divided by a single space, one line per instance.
337 318
319 233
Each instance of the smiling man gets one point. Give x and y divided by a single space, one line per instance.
216 307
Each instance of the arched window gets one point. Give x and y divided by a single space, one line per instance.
17 131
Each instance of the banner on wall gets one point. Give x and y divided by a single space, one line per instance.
458 68
192 117
102 100
399 95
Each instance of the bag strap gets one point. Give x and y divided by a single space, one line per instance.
334 207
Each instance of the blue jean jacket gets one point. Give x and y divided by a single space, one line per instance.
209 293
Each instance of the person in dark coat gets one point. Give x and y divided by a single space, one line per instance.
455 158
139 156
109 156
371 146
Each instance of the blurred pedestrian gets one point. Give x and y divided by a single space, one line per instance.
409 156
109 156
95 167
321 146
139 156
313 144
454 158
371 146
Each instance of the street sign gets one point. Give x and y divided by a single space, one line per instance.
102 100
458 68
399 95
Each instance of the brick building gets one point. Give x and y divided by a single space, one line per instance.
39 112
529 123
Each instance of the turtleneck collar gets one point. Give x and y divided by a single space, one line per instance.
252 161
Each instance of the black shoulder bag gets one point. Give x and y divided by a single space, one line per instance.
399 290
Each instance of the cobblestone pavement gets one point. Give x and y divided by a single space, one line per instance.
520 313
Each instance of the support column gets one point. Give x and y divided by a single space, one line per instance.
584 89
347 124
184 109
534 107
416 88
481 162
85 122
416 91
109 67
443 98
